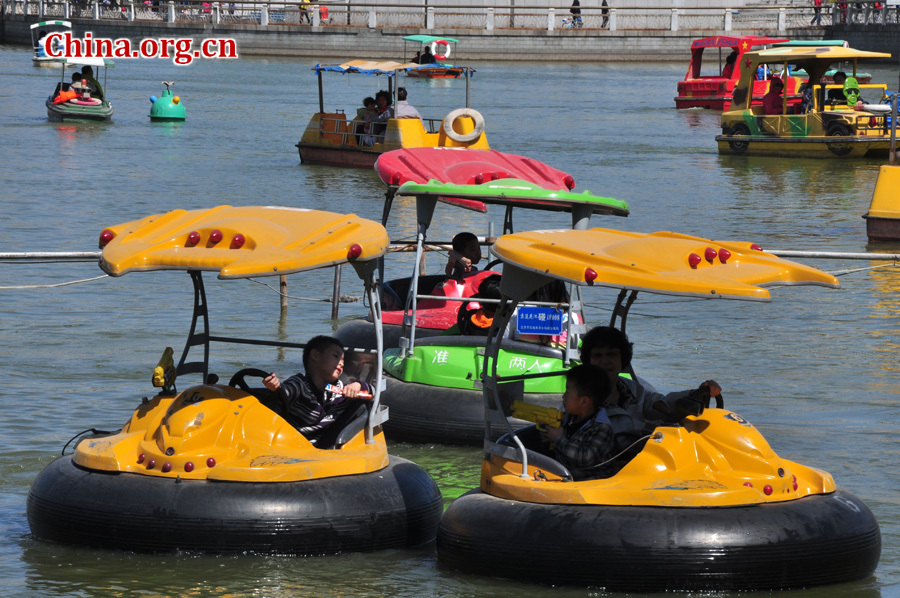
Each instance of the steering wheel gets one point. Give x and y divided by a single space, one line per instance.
491 264
238 379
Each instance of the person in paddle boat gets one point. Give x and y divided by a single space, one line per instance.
633 405
384 112
365 116
476 321
403 108
313 401
87 75
836 95
773 101
465 254
584 443
728 69
851 93
425 57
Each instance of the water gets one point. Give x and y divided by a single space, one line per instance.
816 370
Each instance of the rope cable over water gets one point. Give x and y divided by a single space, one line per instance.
343 298
53 286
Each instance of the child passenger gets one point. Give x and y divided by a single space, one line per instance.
308 405
465 254
584 443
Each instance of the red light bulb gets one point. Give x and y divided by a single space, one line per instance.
724 255
354 252
710 254
210 462
395 178
569 182
748 484
694 260
193 238
189 467
590 275
141 457
495 176
756 247
215 236
151 464
767 490
167 467
479 178
237 241
106 236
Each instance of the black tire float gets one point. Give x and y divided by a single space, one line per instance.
820 539
395 507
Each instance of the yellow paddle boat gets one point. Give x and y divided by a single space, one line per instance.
704 505
331 138
215 467
821 127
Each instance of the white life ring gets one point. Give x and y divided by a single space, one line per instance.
434 47
454 116
877 108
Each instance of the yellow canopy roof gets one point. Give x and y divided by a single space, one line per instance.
660 262
252 241
829 53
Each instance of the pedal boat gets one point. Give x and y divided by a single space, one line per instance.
714 91
78 109
434 383
826 131
461 166
441 68
331 139
704 506
215 468
39 56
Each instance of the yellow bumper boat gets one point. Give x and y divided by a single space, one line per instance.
705 505
215 467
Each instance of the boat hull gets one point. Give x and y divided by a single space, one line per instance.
804 147
342 156
398 506
811 541
66 112
330 139
882 229
436 73
423 413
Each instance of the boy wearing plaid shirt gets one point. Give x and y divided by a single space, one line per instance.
584 442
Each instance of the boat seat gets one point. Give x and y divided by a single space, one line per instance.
334 129
507 448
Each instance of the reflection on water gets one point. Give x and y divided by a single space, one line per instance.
815 369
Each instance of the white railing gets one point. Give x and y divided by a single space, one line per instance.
445 16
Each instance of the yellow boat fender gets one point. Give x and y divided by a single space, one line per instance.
434 49
454 116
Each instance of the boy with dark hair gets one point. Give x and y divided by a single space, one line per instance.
315 399
584 442
465 254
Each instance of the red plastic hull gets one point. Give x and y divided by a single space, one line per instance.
435 73
464 166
